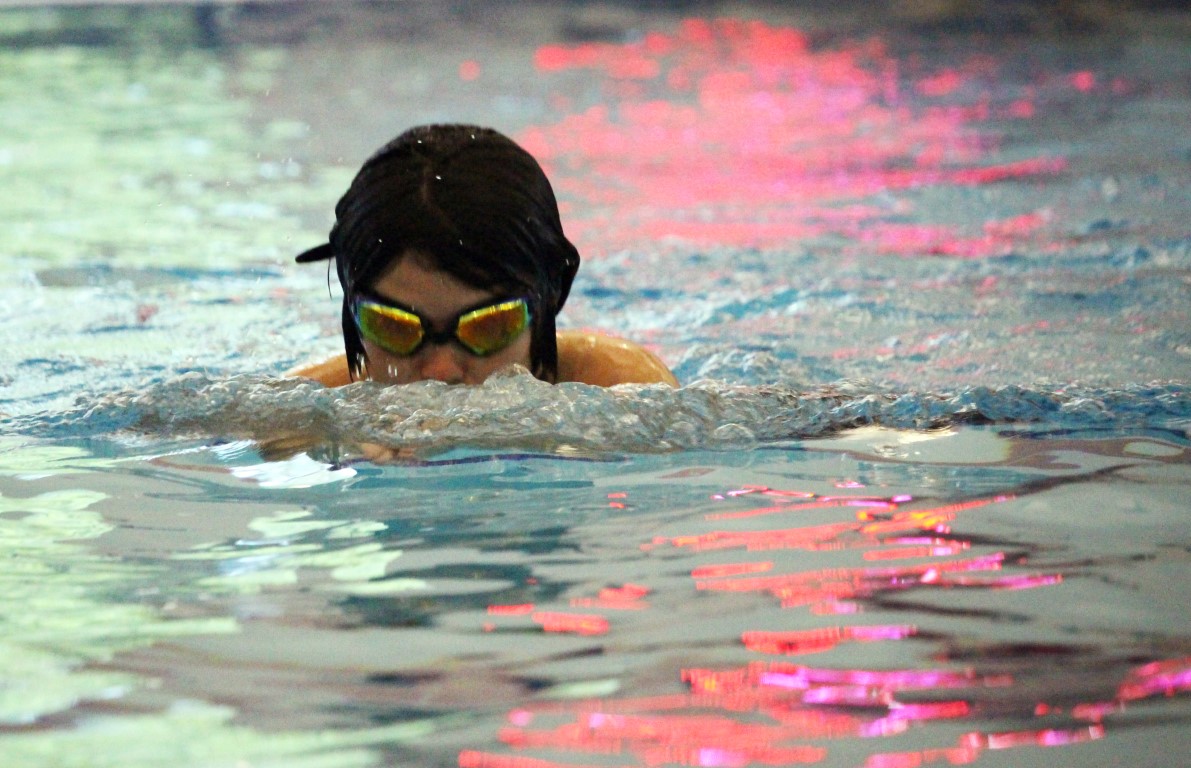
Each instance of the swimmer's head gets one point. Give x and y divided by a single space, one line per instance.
464 200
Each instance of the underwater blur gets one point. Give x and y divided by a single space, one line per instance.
922 268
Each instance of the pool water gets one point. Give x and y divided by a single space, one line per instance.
922 498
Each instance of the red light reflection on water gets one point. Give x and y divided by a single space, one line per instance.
475 759
765 712
836 585
971 745
520 609
799 704
740 133
703 740
927 550
730 569
574 623
749 490
814 640
821 504
842 584
1159 678
623 598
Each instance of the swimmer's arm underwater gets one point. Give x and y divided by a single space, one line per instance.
585 357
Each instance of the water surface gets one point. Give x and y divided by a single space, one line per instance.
921 499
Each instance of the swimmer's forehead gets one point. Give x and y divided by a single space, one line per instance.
433 292
447 271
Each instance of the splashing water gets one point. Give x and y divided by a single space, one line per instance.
516 410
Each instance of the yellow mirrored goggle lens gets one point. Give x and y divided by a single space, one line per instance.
482 331
491 329
390 328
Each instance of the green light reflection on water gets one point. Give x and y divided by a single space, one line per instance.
28 460
151 186
199 734
148 156
279 556
65 610
54 612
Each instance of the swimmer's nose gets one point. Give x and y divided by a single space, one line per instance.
440 362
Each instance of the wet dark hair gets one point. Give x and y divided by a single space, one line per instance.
465 200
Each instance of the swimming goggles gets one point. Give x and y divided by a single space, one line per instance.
482 330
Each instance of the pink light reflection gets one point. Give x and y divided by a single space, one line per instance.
751 137
470 758
811 587
815 640
822 503
804 678
1042 738
730 569
764 712
627 597
779 140
574 623
1159 678
905 553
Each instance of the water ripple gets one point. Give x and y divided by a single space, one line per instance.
517 410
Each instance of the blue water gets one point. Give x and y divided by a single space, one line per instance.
922 498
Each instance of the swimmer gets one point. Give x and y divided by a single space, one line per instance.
453 263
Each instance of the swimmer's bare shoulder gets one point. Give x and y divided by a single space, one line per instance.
593 358
583 356
331 372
